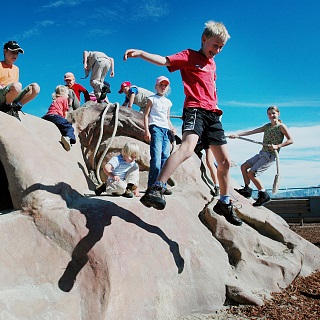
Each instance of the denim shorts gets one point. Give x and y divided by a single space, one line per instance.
206 124
261 162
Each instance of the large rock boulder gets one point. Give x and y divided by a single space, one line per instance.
67 254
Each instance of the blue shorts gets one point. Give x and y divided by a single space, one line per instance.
261 162
206 124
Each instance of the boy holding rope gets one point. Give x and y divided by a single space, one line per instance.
274 133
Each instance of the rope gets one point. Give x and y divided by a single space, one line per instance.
275 186
100 137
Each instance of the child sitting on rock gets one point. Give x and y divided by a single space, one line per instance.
122 172
57 114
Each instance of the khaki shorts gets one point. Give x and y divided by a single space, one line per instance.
6 89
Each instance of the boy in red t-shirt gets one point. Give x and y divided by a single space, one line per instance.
70 81
201 115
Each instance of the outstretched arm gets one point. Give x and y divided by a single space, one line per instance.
149 57
247 133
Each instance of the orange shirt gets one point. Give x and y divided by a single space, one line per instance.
8 73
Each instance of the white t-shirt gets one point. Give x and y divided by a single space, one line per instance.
159 111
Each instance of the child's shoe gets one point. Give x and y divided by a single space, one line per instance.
66 142
228 212
102 187
263 198
105 89
154 197
216 191
245 192
129 190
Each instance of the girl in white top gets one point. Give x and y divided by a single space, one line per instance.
156 126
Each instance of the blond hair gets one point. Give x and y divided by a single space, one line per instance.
60 91
130 149
213 29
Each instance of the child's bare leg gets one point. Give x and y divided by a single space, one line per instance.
14 91
244 170
34 89
211 166
256 181
189 141
223 170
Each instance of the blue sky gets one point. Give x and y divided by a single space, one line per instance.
271 58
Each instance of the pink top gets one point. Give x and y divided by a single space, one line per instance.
59 106
198 76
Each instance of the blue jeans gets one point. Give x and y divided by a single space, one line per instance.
159 151
64 126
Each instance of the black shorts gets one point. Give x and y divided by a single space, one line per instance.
206 124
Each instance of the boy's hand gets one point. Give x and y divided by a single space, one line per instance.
132 53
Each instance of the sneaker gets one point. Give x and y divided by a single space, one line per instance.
66 142
102 187
227 211
128 193
167 192
216 191
154 198
105 89
263 198
12 109
245 192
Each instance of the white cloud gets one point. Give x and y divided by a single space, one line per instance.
61 3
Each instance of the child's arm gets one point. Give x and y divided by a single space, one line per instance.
149 57
85 57
247 133
112 67
286 133
131 99
107 169
147 135
170 124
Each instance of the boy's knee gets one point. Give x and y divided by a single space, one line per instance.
224 165
16 87
34 88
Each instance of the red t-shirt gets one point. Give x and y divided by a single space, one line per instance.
59 106
198 76
78 88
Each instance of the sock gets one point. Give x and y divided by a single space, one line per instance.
160 184
225 199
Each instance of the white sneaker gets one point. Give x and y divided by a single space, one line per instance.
66 142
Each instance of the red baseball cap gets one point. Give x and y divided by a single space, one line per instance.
123 85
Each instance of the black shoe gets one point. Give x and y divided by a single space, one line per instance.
263 198
12 109
129 190
167 192
154 198
102 187
105 89
245 192
216 191
227 211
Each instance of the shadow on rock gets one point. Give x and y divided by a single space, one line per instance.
98 215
